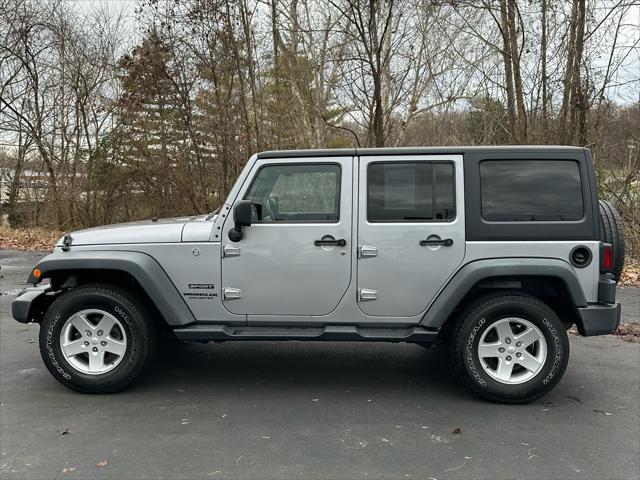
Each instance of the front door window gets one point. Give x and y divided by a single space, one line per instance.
297 193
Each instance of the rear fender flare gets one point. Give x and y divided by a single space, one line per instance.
472 273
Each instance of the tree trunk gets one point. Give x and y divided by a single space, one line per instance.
567 94
276 64
506 58
14 187
521 115
578 111
378 117
543 61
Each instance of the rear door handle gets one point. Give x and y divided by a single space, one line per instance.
433 242
367 251
328 240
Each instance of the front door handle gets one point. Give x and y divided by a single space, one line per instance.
366 295
434 242
329 241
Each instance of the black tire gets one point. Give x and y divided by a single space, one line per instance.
612 232
479 317
140 331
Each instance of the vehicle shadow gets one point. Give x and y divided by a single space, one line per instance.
330 366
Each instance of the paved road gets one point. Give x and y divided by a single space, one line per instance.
312 410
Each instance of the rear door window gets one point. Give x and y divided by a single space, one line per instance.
410 192
531 190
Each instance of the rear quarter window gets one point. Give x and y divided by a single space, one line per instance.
531 190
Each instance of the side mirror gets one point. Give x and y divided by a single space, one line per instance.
242 214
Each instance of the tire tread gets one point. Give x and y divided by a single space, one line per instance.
147 342
612 232
457 345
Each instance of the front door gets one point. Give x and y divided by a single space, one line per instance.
410 231
296 259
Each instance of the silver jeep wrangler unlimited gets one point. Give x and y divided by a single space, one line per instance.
494 251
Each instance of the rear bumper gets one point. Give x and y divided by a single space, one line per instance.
598 319
24 308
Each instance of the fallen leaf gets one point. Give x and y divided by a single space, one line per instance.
101 463
575 397
466 459
629 332
630 273
34 239
602 411
438 439
68 469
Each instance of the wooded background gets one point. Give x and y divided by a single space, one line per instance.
95 129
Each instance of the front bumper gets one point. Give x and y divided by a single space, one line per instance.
598 319
27 306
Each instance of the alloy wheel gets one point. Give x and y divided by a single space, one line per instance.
93 341
512 350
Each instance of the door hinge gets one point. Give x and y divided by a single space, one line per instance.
367 251
231 293
366 295
230 251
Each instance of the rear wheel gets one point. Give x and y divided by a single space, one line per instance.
510 348
96 339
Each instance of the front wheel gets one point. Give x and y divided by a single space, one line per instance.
510 348
96 339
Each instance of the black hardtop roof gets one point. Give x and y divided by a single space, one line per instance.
341 152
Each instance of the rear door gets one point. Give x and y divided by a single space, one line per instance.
411 234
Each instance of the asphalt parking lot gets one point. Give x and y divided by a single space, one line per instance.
313 410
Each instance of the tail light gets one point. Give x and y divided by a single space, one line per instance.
606 258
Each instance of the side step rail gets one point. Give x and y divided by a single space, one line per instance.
331 332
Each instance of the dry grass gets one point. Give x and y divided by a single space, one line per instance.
631 273
28 239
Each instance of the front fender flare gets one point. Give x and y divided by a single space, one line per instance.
470 274
141 266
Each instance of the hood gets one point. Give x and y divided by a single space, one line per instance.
166 230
